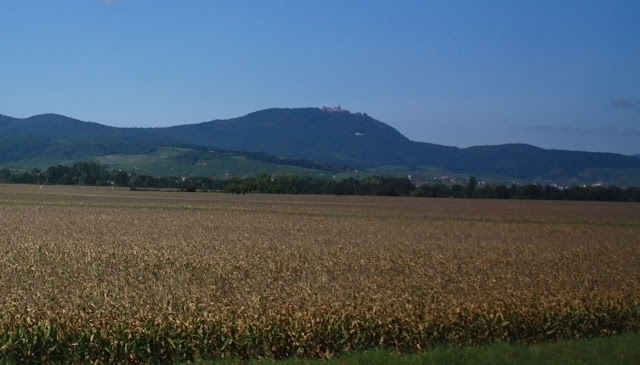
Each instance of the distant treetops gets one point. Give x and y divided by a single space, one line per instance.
93 174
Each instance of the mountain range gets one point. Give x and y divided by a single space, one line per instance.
300 140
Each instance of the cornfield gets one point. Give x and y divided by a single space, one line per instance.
101 275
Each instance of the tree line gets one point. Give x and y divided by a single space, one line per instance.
528 191
93 174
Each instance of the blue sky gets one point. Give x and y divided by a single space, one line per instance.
556 74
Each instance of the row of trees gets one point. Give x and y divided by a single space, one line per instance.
81 173
92 174
292 184
528 191
89 173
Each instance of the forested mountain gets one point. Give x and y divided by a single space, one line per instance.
313 134
57 136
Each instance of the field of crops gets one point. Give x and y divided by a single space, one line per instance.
103 275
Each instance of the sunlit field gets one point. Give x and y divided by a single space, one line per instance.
115 275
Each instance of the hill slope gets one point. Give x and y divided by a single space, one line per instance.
360 140
59 137
44 140
302 133
354 139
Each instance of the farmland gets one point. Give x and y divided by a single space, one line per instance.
116 275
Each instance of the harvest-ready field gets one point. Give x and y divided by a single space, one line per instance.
92 274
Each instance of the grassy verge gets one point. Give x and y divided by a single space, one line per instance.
624 349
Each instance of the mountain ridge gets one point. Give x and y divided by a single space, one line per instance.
314 134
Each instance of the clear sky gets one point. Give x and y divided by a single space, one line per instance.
556 74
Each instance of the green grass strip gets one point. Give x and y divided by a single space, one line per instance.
619 350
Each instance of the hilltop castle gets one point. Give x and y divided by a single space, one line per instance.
336 109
